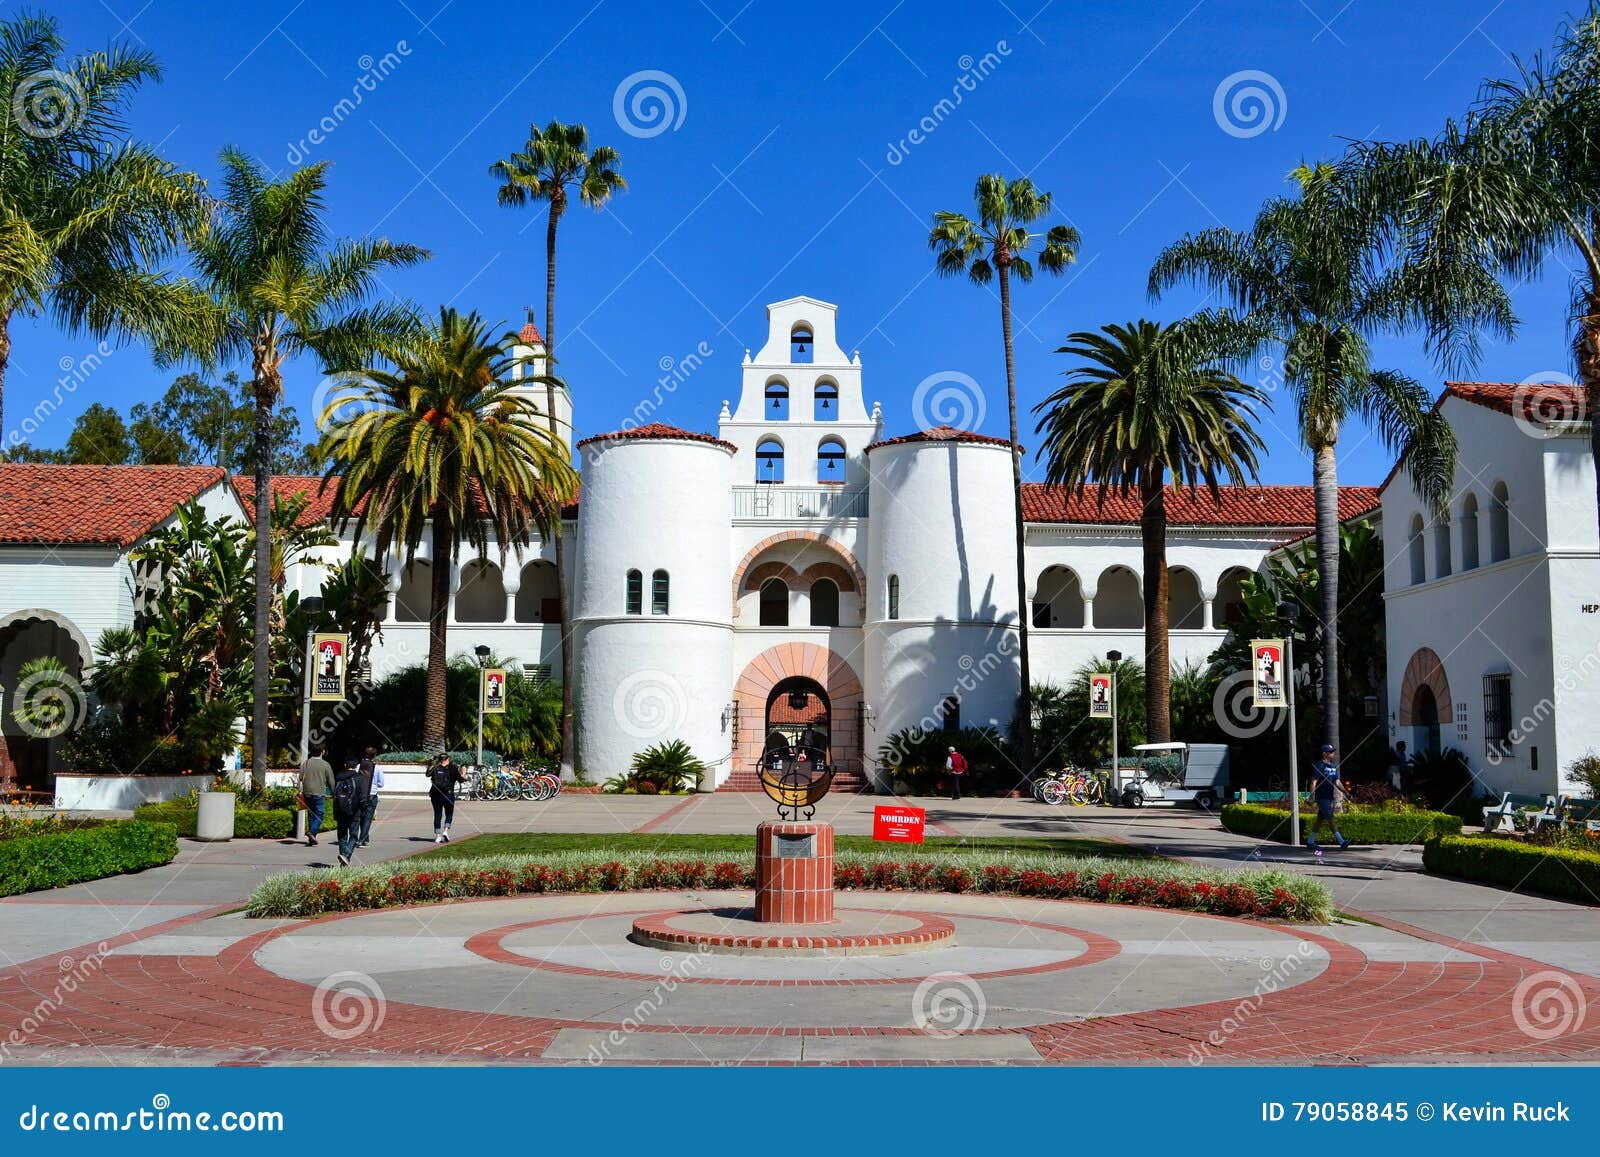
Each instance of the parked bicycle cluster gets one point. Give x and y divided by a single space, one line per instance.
510 780
1072 785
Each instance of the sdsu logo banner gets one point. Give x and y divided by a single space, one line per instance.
494 691
329 657
1267 667
1099 696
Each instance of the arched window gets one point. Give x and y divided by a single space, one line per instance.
774 603
800 344
536 597
1118 602
824 603
777 400
1058 599
830 460
660 589
1228 607
894 597
769 460
826 406
482 597
1469 532
1186 610
1499 523
635 597
1442 559
415 596
1419 558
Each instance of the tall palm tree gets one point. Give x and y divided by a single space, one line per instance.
279 287
85 213
555 163
1308 278
997 245
1144 401
444 444
1513 186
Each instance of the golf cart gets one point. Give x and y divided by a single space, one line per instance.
1179 773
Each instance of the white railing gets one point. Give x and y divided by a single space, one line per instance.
780 501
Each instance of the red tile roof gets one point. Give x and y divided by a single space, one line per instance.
658 431
1239 506
942 434
1538 402
320 495
530 334
94 505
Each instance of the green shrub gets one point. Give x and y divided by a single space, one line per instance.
248 823
1509 863
916 759
30 863
1362 827
459 758
1585 773
666 767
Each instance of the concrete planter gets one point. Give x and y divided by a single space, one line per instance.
94 792
214 820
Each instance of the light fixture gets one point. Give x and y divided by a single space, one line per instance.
798 700
1113 656
312 605
482 651
1289 612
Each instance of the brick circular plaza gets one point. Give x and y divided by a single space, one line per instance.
735 931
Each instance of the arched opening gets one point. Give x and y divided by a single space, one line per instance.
1443 556
950 713
1186 610
660 593
769 460
412 600
633 600
1058 599
1419 558
824 603
774 603
830 460
482 597
1425 716
801 347
799 714
33 741
1469 532
1499 523
536 597
777 400
825 408
1229 607
1118 602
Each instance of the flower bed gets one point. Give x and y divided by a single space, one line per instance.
1377 825
29 863
1568 873
1261 894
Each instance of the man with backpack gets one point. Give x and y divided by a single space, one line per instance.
956 764
349 804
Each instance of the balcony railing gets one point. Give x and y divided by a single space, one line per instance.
780 501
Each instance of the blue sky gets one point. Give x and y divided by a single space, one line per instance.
788 167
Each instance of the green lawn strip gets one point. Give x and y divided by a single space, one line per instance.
537 844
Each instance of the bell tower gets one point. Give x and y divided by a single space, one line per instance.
532 363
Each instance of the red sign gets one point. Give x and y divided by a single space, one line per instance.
899 824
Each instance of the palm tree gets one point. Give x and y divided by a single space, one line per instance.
85 213
1514 186
997 243
555 162
1147 400
445 444
279 287
1307 278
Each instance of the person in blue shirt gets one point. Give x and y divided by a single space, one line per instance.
1325 791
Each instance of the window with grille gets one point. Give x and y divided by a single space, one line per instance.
635 596
894 596
659 590
536 673
1496 714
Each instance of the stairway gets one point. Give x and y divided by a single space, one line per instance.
844 782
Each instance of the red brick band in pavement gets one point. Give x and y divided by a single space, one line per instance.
675 810
658 929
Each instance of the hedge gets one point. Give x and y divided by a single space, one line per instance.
1154 883
1359 827
248 823
1566 873
31 863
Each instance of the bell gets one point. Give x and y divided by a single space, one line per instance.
797 700
825 403
800 347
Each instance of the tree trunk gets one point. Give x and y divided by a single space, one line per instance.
568 752
1325 477
1588 351
1024 729
433 712
261 638
5 360
1157 662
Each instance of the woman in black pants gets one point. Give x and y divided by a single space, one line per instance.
442 779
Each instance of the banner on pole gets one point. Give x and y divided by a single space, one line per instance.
1100 695
494 691
330 655
1267 666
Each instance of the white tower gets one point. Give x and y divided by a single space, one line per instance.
533 361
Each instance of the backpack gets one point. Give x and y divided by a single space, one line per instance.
347 799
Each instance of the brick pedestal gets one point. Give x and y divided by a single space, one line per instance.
794 873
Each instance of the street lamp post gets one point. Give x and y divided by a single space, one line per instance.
313 608
1290 612
1114 657
483 661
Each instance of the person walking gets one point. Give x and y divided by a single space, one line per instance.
316 781
443 776
372 777
1325 791
956 764
349 804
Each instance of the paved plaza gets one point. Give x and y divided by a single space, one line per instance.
1419 969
